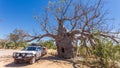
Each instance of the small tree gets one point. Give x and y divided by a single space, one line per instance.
17 38
3 44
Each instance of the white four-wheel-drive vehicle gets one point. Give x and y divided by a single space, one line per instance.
29 54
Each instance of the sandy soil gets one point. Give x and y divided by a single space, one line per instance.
47 61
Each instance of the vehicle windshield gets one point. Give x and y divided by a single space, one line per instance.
30 49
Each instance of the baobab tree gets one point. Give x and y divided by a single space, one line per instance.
67 21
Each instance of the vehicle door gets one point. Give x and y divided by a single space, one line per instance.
39 51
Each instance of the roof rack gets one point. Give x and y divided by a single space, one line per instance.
33 44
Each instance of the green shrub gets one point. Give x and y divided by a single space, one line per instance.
106 52
49 44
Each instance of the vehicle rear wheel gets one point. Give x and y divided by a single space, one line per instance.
32 60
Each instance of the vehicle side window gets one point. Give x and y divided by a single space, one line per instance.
39 48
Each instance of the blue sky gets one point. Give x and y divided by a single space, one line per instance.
19 14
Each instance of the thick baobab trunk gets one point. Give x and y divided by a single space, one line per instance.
66 48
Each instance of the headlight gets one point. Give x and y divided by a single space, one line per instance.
23 54
17 54
29 55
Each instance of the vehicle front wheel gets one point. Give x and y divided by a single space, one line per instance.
32 60
16 61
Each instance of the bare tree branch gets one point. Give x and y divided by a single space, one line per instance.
39 37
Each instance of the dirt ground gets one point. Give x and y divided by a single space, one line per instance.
47 61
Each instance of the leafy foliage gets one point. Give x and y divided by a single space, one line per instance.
12 45
107 52
16 38
49 44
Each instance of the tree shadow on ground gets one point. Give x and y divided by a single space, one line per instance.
54 59
75 64
58 60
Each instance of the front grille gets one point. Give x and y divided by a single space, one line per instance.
21 54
